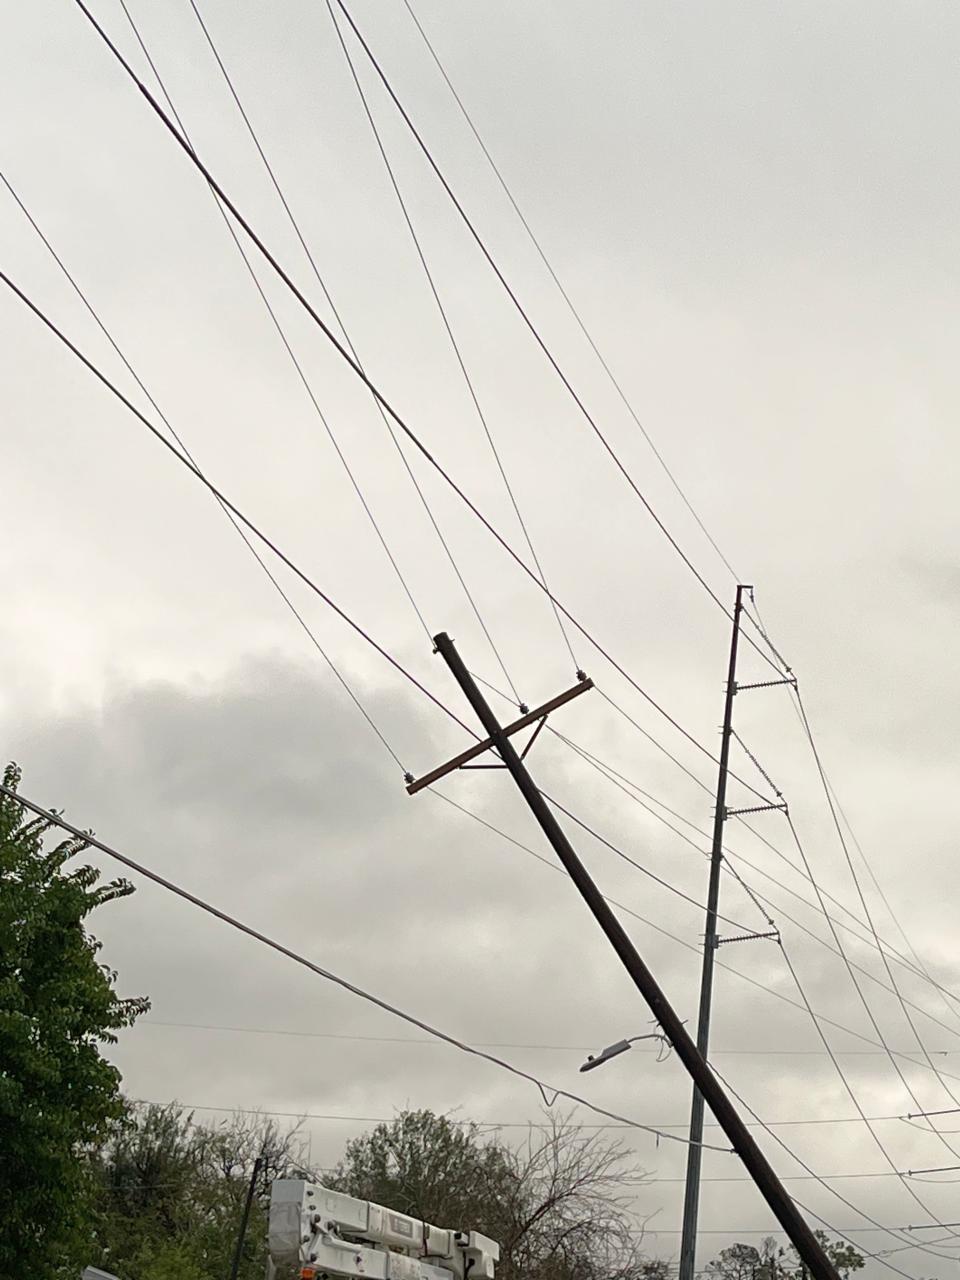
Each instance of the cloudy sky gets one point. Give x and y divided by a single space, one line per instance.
754 208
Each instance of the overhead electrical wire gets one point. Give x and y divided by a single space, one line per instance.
943 991
26 300
343 329
327 599
227 506
229 513
277 585
664 932
185 459
500 1044
87 838
57 820
866 1004
225 502
345 355
461 211
426 269
23 298
866 908
917 966
193 156
333 1117
796 702
763 903
581 324
842 1076
305 382
458 353
765 906
896 1233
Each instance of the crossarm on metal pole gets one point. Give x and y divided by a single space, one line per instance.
808 1247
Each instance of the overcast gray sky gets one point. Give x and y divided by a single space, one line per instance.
754 207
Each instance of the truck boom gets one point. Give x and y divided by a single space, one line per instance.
319 1234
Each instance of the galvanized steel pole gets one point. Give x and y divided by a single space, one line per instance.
691 1194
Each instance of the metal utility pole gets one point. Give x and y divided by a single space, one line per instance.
808 1247
691 1194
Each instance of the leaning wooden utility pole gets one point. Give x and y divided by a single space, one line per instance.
499 740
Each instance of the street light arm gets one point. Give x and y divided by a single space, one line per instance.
612 1050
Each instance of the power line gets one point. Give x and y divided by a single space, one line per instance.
564 293
195 160
504 1044
224 501
304 380
180 442
769 1129
666 933
529 323
911 1191
763 903
232 511
227 505
314 587
328 975
866 1005
333 1117
920 968
220 497
458 354
194 470
866 909
278 587
343 329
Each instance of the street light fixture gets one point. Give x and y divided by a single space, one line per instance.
612 1050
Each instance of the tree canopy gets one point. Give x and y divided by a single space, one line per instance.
559 1205
775 1262
171 1192
58 1005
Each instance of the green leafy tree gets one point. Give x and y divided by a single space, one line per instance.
171 1192
844 1257
58 1006
773 1262
746 1262
560 1205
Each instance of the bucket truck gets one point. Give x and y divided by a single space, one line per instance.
319 1234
